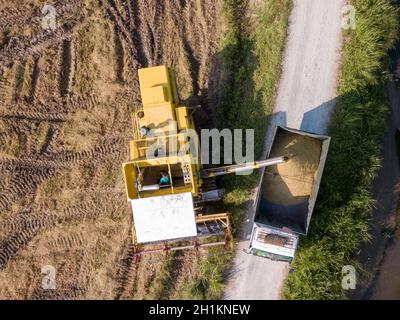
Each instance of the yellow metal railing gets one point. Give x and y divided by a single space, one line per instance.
171 144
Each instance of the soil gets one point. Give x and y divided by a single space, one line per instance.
65 101
380 257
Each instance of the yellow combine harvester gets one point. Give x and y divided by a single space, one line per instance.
164 184
165 212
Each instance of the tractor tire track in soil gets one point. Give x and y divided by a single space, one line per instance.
31 173
10 247
23 230
24 183
67 67
127 272
21 47
70 293
69 241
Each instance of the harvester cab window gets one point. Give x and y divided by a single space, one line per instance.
165 179
149 177
153 178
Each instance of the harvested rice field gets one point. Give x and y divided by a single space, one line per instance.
65 101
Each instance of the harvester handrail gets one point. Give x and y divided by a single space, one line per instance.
160 137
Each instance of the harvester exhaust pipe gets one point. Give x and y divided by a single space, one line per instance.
213 172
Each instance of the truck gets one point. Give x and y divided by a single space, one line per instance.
287 193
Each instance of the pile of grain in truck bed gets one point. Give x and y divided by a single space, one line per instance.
291 183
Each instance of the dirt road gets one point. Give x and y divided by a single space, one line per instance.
305 100
380 257
386 283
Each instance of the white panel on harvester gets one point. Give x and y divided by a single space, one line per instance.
164 217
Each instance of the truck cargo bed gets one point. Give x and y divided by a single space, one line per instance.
289 190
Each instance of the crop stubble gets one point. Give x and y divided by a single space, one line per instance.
65 98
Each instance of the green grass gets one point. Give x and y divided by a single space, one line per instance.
252 52
251 55
209 283
340 220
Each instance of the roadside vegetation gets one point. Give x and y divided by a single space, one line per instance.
251 55
253 52
340 220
